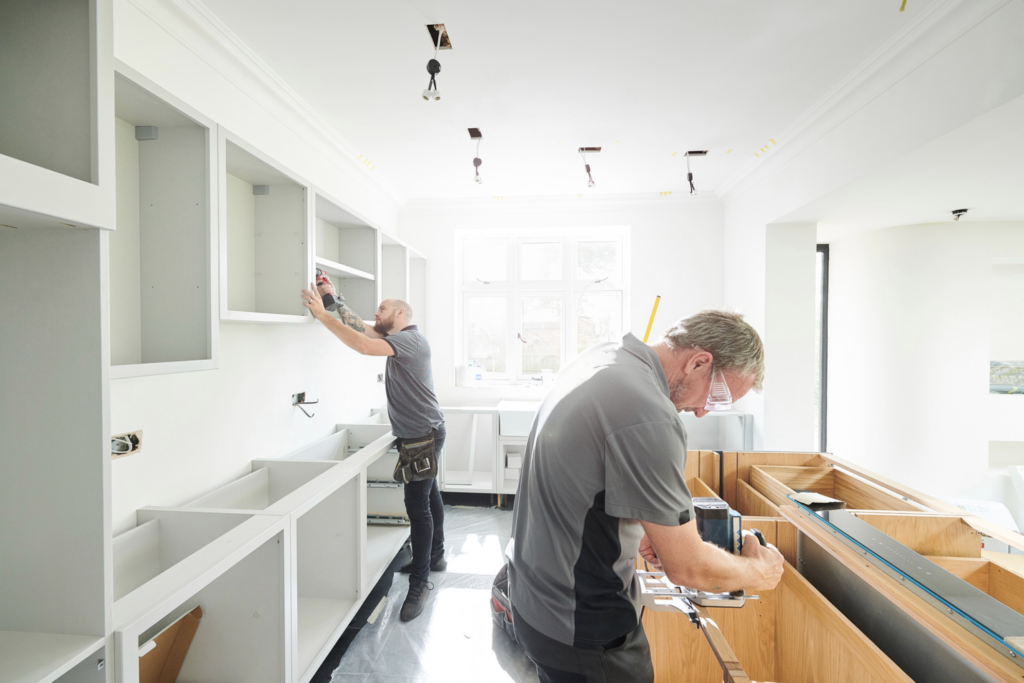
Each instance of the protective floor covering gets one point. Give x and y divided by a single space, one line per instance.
454 640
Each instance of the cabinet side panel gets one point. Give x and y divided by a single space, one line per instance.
175 262
241 256
281 250
125 270
53 461
45 85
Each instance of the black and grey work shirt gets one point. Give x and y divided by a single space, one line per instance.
409 382
606 449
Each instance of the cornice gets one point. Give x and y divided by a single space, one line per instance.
528 204
937 26
194 25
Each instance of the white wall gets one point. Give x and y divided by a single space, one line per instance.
789 383
201 429
910 315
966 64
676 248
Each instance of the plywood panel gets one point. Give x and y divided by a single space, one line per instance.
709 469
787 535
770 487
817 643
817 479
926 501
1006 587
971 647
750 502
692 468
862 495
680 653
729 461
766 525
941 535
744 461
699 489
971 570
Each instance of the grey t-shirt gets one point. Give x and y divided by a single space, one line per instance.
409 382
607 448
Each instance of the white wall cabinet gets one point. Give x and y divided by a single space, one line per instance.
348 250
56 105
394 264
265 242
54 482
162 255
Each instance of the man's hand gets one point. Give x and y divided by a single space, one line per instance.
312 301
769 560
324 285
647 552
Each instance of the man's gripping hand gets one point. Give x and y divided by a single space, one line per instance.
769 561
312 301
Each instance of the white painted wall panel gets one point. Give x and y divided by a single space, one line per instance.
789 383
53 418
909 350
125 268
241 257
281 250
174 246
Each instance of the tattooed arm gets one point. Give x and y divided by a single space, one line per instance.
345 330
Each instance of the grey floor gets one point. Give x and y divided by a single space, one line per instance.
454 640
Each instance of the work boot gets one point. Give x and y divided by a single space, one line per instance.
437 564
419 591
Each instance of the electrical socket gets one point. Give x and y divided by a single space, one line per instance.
380 379
135 438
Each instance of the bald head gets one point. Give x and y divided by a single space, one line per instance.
393 315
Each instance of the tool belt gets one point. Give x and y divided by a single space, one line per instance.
417 460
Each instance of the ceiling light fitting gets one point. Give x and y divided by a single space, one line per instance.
433 66
584 151
689 175
957 213
475 134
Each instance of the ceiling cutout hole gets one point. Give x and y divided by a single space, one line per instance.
433 29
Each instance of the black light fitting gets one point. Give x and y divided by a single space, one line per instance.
439 37
584 151
475 134
689 174
957 213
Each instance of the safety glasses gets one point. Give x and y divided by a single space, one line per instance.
719 396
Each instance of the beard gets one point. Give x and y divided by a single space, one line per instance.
677 391
384 326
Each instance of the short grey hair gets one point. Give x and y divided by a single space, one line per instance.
734 344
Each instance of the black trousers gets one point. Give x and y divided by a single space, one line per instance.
623 660
426 517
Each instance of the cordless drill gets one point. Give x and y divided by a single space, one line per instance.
717 523
332 302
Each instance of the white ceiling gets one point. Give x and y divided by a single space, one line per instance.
643 80
978 166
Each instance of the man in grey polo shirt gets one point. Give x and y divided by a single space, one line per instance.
603 480
414 413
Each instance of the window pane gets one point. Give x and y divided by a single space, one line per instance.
540 261
596 260
598 319
486 327
485 260
542 332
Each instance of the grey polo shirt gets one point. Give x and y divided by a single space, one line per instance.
607 448
409 382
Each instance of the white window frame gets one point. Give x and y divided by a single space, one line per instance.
513 289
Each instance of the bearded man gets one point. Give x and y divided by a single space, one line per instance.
415 417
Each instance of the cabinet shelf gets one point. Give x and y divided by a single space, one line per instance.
44 657
320 619
382 544
343 271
